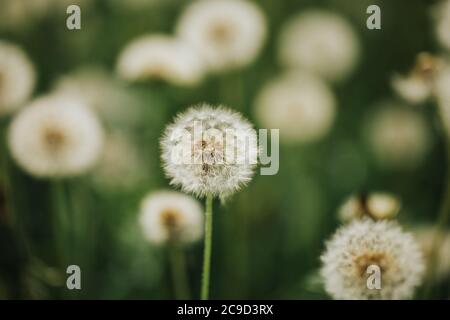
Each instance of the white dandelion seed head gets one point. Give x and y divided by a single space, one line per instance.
55 137
441 15
210 150
120 166
417 86
171 216
399 137
301 105
376 205
321 42
161 57
17 77
426 236
361 243
228 33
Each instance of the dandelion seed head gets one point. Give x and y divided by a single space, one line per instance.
17 78
163 58
171 216
301 105
321 42
376 205
209 150
228 33
361 243
399 137
55 137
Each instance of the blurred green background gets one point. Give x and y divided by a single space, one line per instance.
267 238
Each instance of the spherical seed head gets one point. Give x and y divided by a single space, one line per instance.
227 33
17 77
55 137
300 104
362 243
171 216
209 150
320 41
161 57
399 136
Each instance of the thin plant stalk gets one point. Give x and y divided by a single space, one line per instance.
178 268
207 248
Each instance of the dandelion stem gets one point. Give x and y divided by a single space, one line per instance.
207 248
179 276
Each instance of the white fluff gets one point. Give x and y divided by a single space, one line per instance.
228 33
170 215
55 137
321 42
365 242
301 105
209 151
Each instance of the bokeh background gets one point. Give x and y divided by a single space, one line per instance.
267 238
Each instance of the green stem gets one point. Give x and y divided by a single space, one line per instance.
179 276
61 223
207 248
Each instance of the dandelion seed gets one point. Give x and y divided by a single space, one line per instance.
55 137
17 78
320 42
160 57
209 150
171 216
362 243
301 105
375 205
399 137
228 33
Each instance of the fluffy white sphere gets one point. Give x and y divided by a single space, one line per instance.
228 33
171 216
209 151
362 243
301 105
55 137
320 42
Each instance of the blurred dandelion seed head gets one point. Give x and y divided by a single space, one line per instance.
301 105
365 242
426 235
376 205
399 136
171 216
17 77
163 58
55 137
227 33
321 42
210 151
